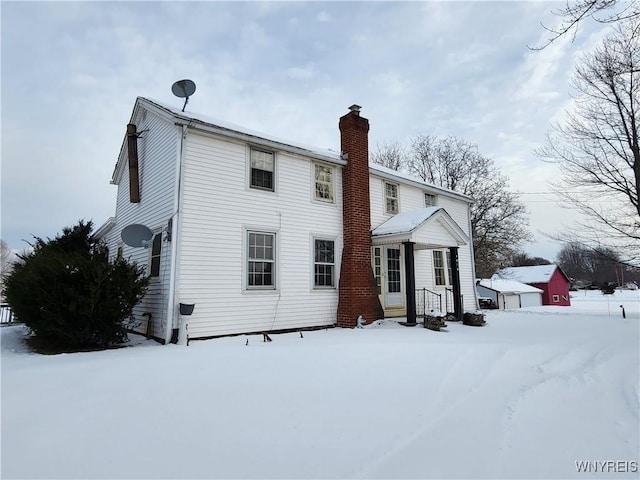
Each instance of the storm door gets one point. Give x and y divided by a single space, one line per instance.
394 296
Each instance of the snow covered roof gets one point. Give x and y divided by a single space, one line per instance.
507 286
429 227
206 120
407 178
533 274
406 222
197 120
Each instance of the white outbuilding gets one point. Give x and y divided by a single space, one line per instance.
509 294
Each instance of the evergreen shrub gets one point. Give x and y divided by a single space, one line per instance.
70 295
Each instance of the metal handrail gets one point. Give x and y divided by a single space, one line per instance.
427 300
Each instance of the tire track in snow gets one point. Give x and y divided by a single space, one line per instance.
444 406
571 372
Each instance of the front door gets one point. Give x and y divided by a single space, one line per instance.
393 295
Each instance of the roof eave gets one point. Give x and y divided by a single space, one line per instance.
421 185
197 124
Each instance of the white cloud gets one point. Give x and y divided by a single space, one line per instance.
287 68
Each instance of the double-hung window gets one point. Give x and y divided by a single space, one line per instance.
323 175
391 198
439 268
324 263
156 255
429 200
261 260
262 169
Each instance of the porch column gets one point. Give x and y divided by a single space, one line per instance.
410 277
455 280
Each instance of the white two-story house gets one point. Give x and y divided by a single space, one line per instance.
262 234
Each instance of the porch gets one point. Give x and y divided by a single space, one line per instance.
405 235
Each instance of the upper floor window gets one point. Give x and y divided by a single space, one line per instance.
323 175
324 263
429 200
391 198
262 169
261 260
155 256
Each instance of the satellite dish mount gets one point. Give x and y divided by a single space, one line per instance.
183 89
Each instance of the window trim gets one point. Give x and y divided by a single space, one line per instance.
385 198
153 278
250 185
334 278
443 258
246 259
314 181
435 199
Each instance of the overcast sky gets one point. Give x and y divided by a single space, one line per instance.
72 71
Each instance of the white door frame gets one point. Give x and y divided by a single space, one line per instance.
393 277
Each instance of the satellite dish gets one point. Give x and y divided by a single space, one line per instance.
183 89
136 235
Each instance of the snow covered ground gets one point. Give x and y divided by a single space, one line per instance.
527 396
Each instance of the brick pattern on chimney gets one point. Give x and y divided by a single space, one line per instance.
357 291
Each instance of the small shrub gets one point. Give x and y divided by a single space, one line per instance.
69 294
608 289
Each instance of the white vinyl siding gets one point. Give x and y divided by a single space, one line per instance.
412 197
158 157
215 222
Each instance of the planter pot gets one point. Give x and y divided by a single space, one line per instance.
434 323
474 319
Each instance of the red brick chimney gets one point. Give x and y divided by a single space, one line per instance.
358 293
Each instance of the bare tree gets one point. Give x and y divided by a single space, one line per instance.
498 219
601 11
598 146
391 155
593 265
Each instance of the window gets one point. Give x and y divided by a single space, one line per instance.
439 268
556 298
262 168
323 183
391 198
429 200
449 274
324 263
154 260
261 260
377 267
394 284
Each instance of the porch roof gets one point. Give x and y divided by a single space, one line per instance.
430 227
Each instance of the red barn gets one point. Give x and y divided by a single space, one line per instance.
549 278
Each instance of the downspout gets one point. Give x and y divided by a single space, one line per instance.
175 236
473 258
